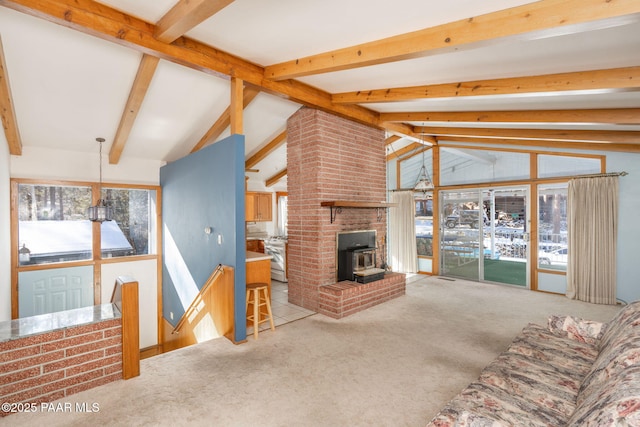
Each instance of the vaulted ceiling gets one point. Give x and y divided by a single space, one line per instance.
162 78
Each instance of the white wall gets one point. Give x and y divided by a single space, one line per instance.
45 163
5 232
145 272
629 224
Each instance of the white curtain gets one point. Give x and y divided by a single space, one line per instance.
592 216
402 233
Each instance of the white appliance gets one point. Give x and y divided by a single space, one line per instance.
277 248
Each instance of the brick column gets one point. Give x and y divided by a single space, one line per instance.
328 158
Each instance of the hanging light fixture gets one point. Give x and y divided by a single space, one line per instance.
100 212
423 183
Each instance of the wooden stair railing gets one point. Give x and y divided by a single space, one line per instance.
197 301
210 314
125 297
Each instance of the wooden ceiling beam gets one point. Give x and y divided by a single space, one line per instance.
7 112
392 139
224 121
266 150
275 178
616 79
621 137
96 19
395 154
544 18
589 146
619 116
185 15
145 73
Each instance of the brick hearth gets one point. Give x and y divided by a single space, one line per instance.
330 158
344 298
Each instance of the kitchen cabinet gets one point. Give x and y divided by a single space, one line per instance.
255 245
258 206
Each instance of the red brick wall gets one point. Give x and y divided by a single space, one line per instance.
52 365
328 158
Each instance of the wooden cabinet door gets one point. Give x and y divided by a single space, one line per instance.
250 207
258 206
263 204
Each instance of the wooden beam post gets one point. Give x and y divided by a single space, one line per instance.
236 105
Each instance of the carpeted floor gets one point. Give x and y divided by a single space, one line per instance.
395 364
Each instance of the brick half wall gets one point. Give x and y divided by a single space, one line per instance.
53 365
345 298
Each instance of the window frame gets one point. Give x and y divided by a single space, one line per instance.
96 260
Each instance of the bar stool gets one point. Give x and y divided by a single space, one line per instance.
257 293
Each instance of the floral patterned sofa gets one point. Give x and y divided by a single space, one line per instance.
573 372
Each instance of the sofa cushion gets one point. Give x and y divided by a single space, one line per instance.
615 404
513 391
575 357
619 349
615 329
534 383
588 331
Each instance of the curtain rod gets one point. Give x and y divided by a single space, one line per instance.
598 175
594 175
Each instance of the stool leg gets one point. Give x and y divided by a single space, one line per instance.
255 313
266 297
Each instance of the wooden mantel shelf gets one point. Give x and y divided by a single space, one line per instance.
337 205
350 204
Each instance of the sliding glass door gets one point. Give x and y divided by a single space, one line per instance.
461 230
484 234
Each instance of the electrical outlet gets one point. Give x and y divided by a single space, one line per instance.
171 315
219 239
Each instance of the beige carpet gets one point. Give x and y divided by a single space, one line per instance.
395 364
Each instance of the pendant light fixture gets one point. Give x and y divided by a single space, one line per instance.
100 212
423 183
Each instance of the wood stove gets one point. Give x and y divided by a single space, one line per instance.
356 255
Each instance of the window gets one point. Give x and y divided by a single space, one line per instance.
552 225
52 224
282 200
555 165
459 165
424 227
56 267
131 230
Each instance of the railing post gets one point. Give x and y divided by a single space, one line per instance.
125 296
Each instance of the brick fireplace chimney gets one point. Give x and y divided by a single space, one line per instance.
329 158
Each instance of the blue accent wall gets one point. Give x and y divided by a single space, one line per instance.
203 190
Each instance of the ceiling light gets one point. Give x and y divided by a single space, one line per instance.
423 183
100 212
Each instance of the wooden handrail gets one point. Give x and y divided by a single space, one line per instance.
196 301
125 297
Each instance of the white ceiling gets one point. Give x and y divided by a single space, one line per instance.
69 87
